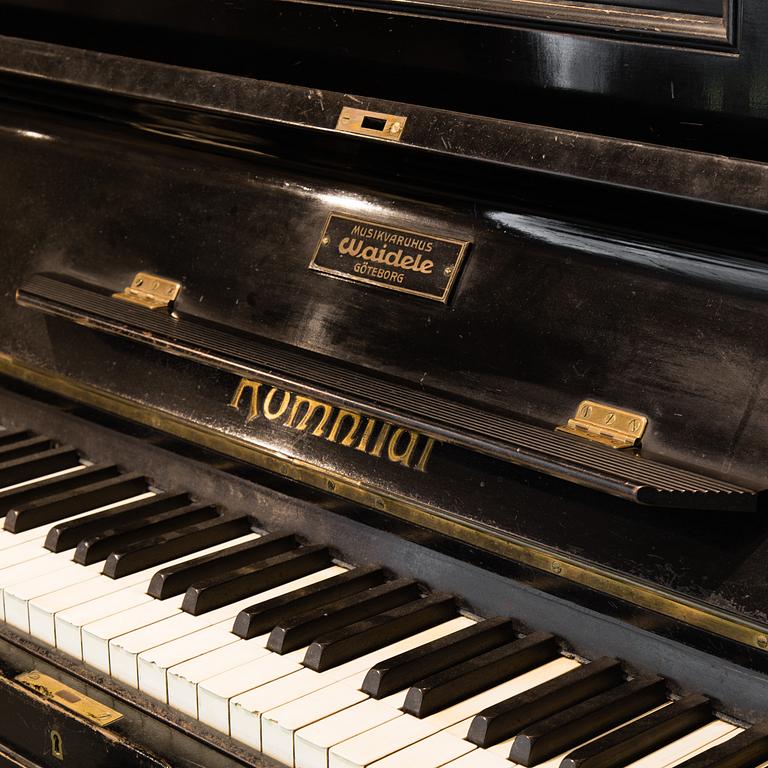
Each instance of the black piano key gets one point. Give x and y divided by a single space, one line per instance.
261 617
145 523
52 486
303 629
21 448
176 579
14 436
222 590
505 719
400 671
73 502
68 534
745 750
38 464
442 689
169 546
365 636
584 721
643 736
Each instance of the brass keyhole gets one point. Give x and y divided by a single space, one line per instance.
57 748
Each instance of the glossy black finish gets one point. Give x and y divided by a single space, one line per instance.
176 579
43 489
158 549
744 749
563 70
138 527
469 677
543 249
509 717
621 473
74 501
394 674
373 633
100 524
239 583
643 736
581 722
261 617
301 630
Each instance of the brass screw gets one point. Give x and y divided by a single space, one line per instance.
610 418
345 119
395 128
326 240
586 411
557 568
634 425
762 642
448 270
331 485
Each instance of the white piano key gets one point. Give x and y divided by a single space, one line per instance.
687 746
481 758
182 679
311 743
28 560
96 635
246 710
43 609
124 650
16 597
155 662
278 725
432 752
281 721
386 739
70 621
213 694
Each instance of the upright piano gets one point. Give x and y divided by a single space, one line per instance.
383 383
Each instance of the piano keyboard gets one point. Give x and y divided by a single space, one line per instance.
313 662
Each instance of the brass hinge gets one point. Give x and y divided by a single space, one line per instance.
605 424
378 124
69 698
150 291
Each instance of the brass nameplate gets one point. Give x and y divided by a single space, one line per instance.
69 698
349 429
399 259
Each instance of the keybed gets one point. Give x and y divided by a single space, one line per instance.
316 664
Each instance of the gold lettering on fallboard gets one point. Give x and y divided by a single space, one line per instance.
397 445
271 414
349 438
312 407
253 408
395 454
